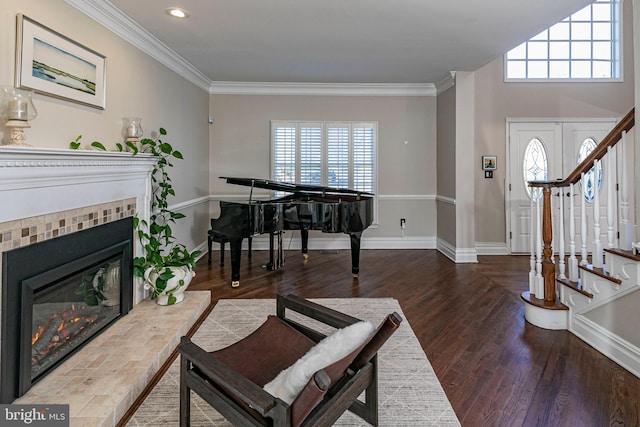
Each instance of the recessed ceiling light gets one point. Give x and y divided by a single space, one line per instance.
176 12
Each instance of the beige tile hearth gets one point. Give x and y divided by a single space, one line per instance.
104 378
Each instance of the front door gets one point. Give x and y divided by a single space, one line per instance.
547 151
535 153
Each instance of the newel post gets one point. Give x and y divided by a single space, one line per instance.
548 268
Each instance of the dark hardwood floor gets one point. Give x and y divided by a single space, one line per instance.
496 369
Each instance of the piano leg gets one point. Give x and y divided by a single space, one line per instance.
280 250
276 260
236 252
304 235
271 264
355 253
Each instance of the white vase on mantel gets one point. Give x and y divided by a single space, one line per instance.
174 288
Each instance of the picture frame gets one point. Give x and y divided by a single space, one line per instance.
54 65
489 163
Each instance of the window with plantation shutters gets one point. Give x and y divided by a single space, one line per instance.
338 165
363 158
311 155
284 155
332 154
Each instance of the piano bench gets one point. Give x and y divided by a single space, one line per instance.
213 236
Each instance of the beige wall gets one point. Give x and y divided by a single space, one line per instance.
466 171
137 85
447 165
495 101
406 172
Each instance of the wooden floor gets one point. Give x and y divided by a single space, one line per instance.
496 369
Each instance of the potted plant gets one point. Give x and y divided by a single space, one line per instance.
167 266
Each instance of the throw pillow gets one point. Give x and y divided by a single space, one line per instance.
288 383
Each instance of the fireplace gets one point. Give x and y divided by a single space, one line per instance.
59 294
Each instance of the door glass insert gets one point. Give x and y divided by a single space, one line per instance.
535 167
588 182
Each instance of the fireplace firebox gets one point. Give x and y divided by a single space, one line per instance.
59 294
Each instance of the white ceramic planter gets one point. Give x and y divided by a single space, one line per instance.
173 285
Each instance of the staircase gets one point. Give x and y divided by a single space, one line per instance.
597 298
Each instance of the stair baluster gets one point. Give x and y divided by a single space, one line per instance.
626 228
561 265
573 261
597 255
610 206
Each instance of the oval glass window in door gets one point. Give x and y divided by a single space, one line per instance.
534 167
588 182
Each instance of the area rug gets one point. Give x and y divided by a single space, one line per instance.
409 393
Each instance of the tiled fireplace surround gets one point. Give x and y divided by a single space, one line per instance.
45 193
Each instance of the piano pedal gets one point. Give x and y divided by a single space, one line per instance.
235 284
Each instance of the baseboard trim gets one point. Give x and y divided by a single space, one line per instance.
457 255
615 348
492 248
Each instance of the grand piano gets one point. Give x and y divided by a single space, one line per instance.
304 208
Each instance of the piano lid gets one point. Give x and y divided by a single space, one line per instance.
291 188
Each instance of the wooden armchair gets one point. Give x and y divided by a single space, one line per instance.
232 379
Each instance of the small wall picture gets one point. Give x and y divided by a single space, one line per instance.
489 163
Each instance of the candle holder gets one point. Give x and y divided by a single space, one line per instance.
131 129
17 108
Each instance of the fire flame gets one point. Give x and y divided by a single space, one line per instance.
37 334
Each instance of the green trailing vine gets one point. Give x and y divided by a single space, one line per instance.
76 145
160 248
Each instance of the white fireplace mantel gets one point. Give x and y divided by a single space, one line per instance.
36 181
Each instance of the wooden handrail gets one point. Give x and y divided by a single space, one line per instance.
598 153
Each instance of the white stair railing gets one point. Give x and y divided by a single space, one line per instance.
543 269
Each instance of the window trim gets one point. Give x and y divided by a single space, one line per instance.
617 21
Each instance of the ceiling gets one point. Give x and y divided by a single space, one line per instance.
343 41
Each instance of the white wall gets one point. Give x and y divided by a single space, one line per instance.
137 85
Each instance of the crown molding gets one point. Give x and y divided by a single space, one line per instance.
106 14
445 82
334 89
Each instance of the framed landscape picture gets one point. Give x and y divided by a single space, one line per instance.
55 65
